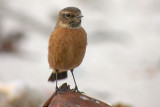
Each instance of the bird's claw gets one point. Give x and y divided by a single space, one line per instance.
76 90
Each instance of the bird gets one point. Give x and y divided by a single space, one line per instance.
67 45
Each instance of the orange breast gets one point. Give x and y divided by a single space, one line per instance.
66 48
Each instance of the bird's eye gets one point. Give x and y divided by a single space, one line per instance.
67 15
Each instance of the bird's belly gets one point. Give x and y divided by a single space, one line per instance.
70 59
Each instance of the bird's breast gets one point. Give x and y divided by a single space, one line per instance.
67 48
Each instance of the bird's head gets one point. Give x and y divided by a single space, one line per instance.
69 17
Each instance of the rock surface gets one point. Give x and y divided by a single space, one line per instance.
67 98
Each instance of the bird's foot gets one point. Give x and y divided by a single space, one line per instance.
57 90
76 90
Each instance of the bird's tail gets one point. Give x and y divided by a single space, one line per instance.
61 75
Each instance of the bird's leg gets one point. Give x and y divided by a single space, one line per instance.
57 89
76 87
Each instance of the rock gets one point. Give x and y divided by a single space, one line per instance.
68 98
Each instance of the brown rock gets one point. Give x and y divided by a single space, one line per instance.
68 98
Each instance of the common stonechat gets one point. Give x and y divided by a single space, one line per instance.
67 44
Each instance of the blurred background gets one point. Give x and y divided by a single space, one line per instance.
121 65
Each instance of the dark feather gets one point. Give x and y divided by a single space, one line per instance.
60 76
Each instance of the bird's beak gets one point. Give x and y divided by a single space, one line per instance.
80 16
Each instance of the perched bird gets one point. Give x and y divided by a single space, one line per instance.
67 44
